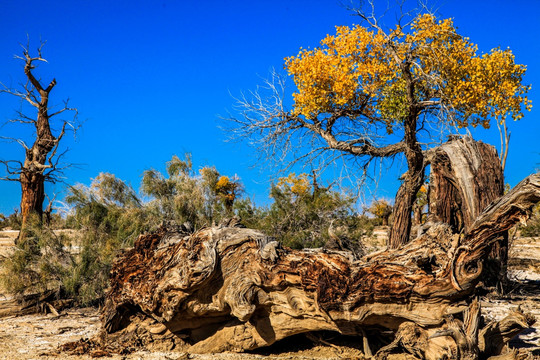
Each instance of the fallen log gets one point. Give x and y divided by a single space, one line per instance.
49 301
235 289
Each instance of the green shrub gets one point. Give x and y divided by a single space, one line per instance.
39 261
303 213
12 221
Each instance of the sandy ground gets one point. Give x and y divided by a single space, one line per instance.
39 336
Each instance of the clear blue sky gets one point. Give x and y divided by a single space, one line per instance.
150 78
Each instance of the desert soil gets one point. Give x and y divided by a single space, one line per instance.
39 336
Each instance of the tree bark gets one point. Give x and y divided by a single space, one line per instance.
234 289
466 176
33 195
414 177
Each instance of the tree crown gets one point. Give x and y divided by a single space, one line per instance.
362 72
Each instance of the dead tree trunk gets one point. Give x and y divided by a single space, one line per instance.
466 176
32 174
41 158
234 289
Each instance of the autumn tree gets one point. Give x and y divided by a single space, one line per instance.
382 210
227 190
371 92
42 158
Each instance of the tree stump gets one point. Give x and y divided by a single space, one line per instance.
466 176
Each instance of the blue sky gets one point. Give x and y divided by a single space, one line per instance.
151 78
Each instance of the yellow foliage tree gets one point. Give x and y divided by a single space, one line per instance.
364 83
299 185
381 209
227 190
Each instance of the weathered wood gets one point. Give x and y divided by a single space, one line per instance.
235 289
48 301
496 334
466 176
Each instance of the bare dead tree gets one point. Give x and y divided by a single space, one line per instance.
42 158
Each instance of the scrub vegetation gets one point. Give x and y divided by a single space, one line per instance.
109 215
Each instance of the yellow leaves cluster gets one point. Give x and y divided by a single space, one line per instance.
299 185
351 65
226 188
478 87
359 66
380 208
223 183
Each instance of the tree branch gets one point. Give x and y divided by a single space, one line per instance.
11 170
19 141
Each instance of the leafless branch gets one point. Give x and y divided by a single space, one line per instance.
504 135
13 171
65 108
19 141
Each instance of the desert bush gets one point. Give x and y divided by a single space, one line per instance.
109 216
12 221
533 224
303 212
185 196
39 261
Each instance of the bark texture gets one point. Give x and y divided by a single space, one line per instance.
467 176
234 289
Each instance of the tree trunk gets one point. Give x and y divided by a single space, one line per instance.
417 213
235 289
466 176
38 158
412 182
33 195
401 225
